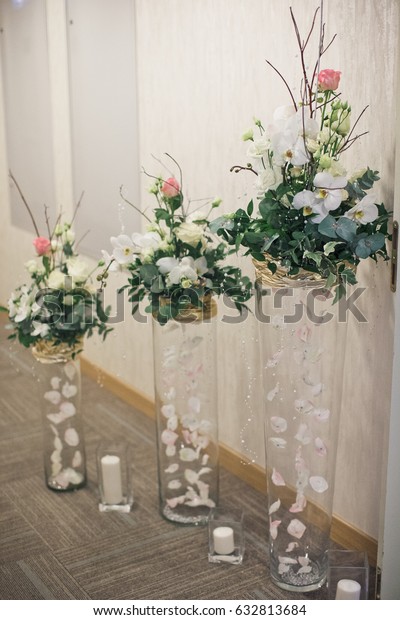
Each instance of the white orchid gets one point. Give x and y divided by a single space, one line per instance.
308 202
40 329
108 259
123 249
147 240
364 211
329 190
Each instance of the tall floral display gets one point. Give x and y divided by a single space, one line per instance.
52 314
312 224
178 267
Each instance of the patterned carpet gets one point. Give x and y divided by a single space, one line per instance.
59 546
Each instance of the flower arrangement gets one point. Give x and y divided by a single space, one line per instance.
59 304
312 215
177 263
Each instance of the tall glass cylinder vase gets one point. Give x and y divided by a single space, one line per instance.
59 387
185 376
303 345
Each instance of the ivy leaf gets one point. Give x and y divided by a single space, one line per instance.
314 256
329 248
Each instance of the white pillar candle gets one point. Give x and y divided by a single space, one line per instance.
223 540
112 482
348 590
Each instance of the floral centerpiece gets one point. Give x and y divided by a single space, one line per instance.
177 263
51 314
59 303
312 214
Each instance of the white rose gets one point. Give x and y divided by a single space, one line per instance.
268 178
56 279
189 233
31 266
69 236
78 269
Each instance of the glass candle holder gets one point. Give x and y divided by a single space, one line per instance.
114 477
225 536
348 575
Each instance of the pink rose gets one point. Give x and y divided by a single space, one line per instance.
42 245
170 188
328 79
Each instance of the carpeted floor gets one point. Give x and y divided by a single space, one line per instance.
59 546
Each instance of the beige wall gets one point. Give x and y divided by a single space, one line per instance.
202 76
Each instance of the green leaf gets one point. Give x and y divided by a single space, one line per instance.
314 256
346 228
223 222
269 241
329 248
250 208
148 273
328 227
369 245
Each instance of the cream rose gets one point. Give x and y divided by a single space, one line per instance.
190 233
56 279
78 269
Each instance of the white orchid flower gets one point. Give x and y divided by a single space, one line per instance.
306 201
147 240
40 329
123 249
289 144
185 270
109 259
364 211
167 264
329 190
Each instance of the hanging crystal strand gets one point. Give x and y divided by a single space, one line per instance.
59 386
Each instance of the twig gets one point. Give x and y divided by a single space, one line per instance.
284 81
349 139
238 168
81 239
78 204
25 202
132 205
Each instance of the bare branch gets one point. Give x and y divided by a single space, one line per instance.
285 82
25 202
239 168
132 205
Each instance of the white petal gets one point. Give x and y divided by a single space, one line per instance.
277 478
278 442
77 459
174 484
172 468
168 410
70 370
274 507
296 528
53 397
55 382
69 390
71 437
318 483
68 409
278 425
321 414
271 395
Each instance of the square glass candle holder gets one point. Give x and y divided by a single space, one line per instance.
114 477
225 536
348 575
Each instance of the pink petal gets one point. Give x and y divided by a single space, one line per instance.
277 478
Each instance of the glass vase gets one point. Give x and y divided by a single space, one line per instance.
185 376
59 387
302 343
